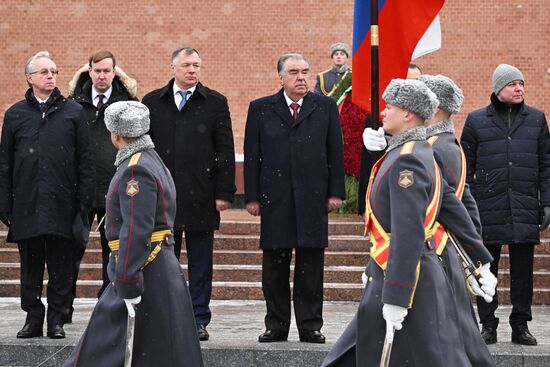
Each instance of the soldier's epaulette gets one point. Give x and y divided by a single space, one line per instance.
135 159
407 148
323 72
432 139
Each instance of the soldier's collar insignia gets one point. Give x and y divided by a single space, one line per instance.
406 178
132 188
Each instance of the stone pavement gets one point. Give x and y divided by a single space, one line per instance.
233 337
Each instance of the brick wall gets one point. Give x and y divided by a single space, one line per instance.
241 40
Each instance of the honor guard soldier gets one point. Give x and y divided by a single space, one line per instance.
450 158
406 287
143 269
328 80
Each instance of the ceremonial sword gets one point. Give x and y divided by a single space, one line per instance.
467 263
130 335
386 350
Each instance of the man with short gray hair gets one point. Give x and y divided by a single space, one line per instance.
294 176
507 149
46 186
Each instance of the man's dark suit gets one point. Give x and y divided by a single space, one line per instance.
291 168
196 144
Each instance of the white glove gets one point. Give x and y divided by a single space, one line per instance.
130 302
374 140
486 287
394 316
364 279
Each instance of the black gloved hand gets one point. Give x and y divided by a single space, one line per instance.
5 218
545 222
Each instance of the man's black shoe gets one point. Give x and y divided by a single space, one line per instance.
489 335
521 335
202 333
30 331
270 336
311 336
56 332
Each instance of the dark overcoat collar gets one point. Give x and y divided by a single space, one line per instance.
280 107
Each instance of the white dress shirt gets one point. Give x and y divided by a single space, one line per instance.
177 95
290 101
95 95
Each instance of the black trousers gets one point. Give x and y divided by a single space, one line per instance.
307 291
56 253
78 254
521 286
200 248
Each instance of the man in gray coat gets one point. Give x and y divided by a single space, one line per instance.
294 176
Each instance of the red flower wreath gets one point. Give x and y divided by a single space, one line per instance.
352 120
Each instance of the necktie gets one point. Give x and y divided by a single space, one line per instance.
100 101
42 106
294 107
184 95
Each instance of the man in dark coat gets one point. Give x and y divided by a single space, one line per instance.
328 80
46 182
146 276
294 176
191 129
95 86
507 149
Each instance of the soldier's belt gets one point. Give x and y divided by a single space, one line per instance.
440 234
157 236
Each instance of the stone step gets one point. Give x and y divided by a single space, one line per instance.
253 273
335 227
244 257
243 242
338 225
233 341
253 291
227 273
347 243
220 290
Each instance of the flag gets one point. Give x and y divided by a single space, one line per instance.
402 24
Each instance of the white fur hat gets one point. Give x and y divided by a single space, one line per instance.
448 93
411 95
129 119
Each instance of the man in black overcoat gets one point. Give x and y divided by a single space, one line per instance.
191 129
95 86
46 182
294 176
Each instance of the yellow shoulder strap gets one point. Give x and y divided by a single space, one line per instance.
432 139
407 148
135 159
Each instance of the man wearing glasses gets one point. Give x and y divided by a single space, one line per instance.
46 180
